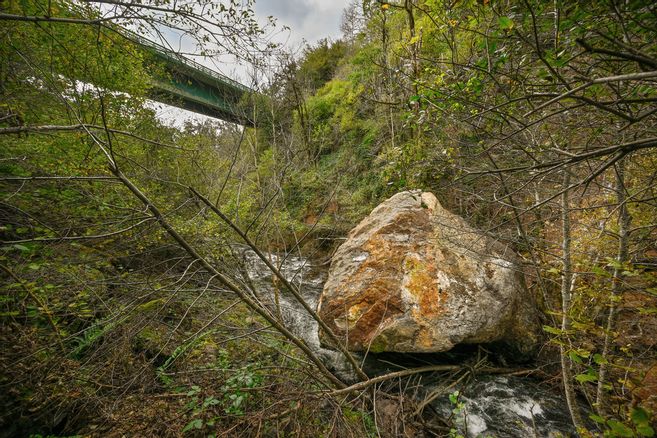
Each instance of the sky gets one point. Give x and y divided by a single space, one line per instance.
311 20
308 20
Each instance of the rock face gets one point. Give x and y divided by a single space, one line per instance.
413 277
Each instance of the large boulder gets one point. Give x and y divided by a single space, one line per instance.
413 277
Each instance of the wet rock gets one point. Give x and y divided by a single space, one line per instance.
507 407
413 277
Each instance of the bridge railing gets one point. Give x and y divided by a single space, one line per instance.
165 51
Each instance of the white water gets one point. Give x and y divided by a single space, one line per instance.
501 407
310 283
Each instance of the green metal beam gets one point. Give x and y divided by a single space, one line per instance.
194 87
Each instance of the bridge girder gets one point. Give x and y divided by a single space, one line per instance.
187 84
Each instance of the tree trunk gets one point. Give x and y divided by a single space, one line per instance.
624 220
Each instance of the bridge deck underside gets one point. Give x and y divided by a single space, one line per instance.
185 83
196 91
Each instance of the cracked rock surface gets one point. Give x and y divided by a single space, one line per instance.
413 277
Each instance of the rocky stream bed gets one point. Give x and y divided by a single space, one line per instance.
487 406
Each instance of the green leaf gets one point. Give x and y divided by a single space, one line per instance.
194 390
639 415
582 326
194 424
619 429
584 353
505 23
599 359
210 401
645 430
600 271
613 263
574 356
598 419
552 330
582 378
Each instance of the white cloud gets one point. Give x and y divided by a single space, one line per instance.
309 20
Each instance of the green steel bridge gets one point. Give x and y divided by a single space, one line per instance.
189 85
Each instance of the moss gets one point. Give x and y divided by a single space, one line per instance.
149 339
360 418
378 345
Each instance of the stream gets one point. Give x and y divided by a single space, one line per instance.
488 406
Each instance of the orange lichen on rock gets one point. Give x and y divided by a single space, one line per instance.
423 285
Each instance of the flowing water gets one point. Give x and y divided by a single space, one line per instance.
310 282
499 406
490 406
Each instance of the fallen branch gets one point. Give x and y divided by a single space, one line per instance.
427 369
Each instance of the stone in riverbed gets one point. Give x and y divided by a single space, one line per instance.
413 277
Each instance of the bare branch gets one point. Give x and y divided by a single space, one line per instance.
627 77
